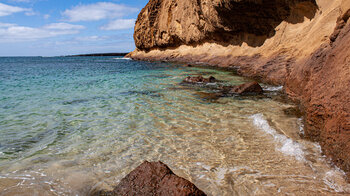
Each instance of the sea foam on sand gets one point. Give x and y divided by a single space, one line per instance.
288 146
273 88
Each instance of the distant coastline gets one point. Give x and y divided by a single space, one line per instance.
99 54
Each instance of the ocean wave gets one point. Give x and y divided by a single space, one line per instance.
273 88
332 179
301 126
288 146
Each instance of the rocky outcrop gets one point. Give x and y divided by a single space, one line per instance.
153 178
171 23
301 44
322 84
247 88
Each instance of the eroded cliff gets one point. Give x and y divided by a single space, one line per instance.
301 44
172 23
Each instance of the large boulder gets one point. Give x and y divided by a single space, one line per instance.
153 179
246 88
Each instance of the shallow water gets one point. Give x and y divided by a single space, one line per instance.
70 125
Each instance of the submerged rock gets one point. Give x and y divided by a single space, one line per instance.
209 96
187 65
199 80
153 178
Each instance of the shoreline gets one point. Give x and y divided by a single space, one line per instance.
251 67
203 139
305 51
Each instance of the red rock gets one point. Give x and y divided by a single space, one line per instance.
322 83
153 179
247 88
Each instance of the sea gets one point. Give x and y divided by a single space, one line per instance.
73 125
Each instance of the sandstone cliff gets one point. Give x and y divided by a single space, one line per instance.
301 44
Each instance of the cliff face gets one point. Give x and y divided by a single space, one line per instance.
322 83
301 44
171 23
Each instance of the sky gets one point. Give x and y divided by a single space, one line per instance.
65 27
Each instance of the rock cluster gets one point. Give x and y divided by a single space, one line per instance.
199 80
250 88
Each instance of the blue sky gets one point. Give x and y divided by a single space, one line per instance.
63 27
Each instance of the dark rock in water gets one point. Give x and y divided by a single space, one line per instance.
153 178
199 80
209 96
187 65
212 79
247 88
293 111
75 101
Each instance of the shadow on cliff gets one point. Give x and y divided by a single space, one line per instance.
257 23
253 24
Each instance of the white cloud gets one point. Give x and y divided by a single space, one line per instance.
14 33
31 13
6 10
119 24
46 16
6 25
91 38
63 26
97 11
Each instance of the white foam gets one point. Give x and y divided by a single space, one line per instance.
288 146
1 153
301 126
273 88
204 166
221 172
318 148
334 180
211 84
122 58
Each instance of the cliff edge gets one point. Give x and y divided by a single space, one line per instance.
301 44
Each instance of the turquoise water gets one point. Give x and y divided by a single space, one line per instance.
69 125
